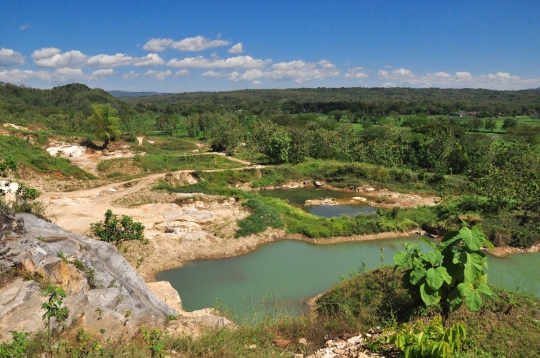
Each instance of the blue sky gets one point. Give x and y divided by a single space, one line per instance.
184 46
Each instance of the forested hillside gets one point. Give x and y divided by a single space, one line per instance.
359 101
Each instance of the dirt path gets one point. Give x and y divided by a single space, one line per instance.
75 210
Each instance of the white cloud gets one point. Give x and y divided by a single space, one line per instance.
463 75
300 71
182 73
119 59
256 82
357 72
326 64
24 27
157 75
396 74
388 84
296 71
213 73
157 45
197 43
101 74
238 48
52 57
19 76
499 80
130 75
45 52
237 62
67 74
9 57
152 59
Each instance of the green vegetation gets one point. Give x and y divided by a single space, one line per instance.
38 159
104 123
116 231
450 274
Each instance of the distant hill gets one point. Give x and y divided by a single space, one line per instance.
124 94
61 99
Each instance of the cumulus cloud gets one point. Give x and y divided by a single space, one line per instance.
499 80
130 75
152 59
157 45
296 71
238 48
197 43
213 73
300 71
117 60
182 73
121 59
101 74
53 57
9 57
19 76
67 74
357 72
237 62
396 74
157 75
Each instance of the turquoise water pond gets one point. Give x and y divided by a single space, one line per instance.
286 273
298 196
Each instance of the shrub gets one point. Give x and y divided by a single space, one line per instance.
116 231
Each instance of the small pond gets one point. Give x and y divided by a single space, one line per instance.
298 197
290 272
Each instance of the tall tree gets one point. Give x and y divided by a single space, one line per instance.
104 123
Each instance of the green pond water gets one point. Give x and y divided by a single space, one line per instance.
286 273
298 196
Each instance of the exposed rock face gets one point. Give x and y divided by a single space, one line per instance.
106 294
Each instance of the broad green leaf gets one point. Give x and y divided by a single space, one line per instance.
473 300
411 247
464 287
428 242
399 256
472 263
484 289
441 350
429 296
473 239
434 257
454 299
418 275
450 243
444 274
489 244
449 235
434 279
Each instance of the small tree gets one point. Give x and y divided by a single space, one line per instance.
450 274
490 124
509 123
116 231
104 123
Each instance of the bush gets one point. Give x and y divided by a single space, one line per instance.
116 231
